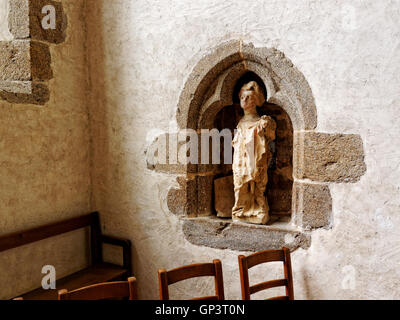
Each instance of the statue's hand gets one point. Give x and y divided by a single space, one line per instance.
269 126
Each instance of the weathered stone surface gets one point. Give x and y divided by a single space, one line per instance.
204 73
312 205
182 201
40 95
280 200
15 60
40 61
204 195
193 197
216 233
288 87
328 157
36 16
16 86
18 18
159 155
224 196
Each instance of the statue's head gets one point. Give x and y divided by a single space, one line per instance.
251 95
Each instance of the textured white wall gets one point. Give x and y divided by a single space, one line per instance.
140 54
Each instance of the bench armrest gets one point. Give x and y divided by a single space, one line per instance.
126 250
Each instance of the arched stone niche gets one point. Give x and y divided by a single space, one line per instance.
280 172
317 158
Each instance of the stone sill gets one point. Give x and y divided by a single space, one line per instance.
226 234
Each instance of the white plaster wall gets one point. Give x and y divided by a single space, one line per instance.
140 54
4 31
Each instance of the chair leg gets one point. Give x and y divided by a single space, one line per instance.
244 278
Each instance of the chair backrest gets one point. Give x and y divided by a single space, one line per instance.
245 263
214 269
102 291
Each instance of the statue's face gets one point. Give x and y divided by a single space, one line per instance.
248 100
250 96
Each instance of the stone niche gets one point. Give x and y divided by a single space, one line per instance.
280 171
304 161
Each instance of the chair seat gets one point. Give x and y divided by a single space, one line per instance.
94 274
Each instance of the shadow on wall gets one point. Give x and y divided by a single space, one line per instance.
108 158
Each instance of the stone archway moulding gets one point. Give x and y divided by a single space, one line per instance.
286 86
318 158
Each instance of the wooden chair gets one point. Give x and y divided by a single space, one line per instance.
214 269
245 263
102 291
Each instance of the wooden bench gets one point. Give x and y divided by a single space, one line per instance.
98 271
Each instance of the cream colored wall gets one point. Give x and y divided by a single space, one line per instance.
45 166
140 54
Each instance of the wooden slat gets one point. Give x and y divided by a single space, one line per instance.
288 274
264 256
103 291
126 249
191 271
279 298
100 291
206 298
28 236
267 285
91 275
219 280
165 278
163 284
244 277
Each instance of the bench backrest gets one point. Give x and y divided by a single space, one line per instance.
91 220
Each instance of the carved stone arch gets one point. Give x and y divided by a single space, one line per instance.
212 78
318 158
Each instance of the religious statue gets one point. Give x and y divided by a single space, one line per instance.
251 158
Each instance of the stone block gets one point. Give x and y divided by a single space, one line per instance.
328 157
312 205
220 234
39 95
26 16
182 201
224 196
16 86
40 61
15 60
204 195
193 197
18 18
160 159
36 16
280 201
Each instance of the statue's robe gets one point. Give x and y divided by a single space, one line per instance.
250 169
